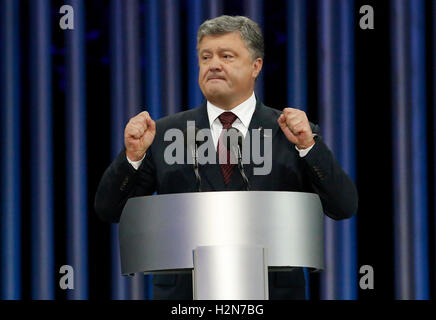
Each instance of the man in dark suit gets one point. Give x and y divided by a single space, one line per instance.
230 51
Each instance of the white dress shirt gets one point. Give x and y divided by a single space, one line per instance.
244 112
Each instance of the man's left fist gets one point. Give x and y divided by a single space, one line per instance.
296 127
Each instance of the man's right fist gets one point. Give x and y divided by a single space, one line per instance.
139 135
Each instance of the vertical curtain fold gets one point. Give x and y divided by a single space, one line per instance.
297 54
172 67
153 48
336 109
419 147
10 108
153 81
400 159
215 8
326 91
132 49
41 161
434 142
194 20
254 10
76 152
126 91
132 62
297 66
346 151
118 121
410 149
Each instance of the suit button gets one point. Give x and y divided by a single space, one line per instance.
124 184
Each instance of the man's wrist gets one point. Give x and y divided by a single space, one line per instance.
307 145
135 164
304 152
134 157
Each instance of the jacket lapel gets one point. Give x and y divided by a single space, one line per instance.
263 118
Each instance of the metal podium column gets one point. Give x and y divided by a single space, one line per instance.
230 272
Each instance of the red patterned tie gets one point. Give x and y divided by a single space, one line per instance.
227 119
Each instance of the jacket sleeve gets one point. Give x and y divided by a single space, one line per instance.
335 188
120 182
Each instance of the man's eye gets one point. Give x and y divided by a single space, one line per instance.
205 58
227 56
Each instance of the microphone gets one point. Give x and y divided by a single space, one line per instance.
237 151
193 149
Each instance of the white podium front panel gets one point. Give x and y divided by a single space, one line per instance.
159 233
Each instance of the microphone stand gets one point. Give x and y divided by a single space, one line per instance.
194 154
241 169
195 165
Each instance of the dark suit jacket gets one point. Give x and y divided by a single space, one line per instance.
317 172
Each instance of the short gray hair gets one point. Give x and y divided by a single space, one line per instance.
249 31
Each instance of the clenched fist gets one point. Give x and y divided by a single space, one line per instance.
139 135
296 127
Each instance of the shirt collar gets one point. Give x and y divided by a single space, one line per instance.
244 111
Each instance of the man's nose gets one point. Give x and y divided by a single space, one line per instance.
215 64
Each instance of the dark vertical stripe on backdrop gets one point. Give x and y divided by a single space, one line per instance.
132 62
172 69
10 109
254 10
118 120
132 102
43 272
297 66
76 164
153 84
153 62
194 20
125 85
434 139
410 150
117 72
297 54
336 108
346 151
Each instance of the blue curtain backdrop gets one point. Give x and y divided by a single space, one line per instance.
337 120
66 96
10 138
409 158
76 154
41 144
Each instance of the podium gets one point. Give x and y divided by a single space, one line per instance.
227 239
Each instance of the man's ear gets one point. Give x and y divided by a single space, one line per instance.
257 67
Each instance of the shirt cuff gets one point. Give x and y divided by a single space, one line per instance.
304 152
135 164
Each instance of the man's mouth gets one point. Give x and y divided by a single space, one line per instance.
215 78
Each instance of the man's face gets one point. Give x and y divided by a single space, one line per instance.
227 71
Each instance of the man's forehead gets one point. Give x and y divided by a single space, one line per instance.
221 37
214 42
